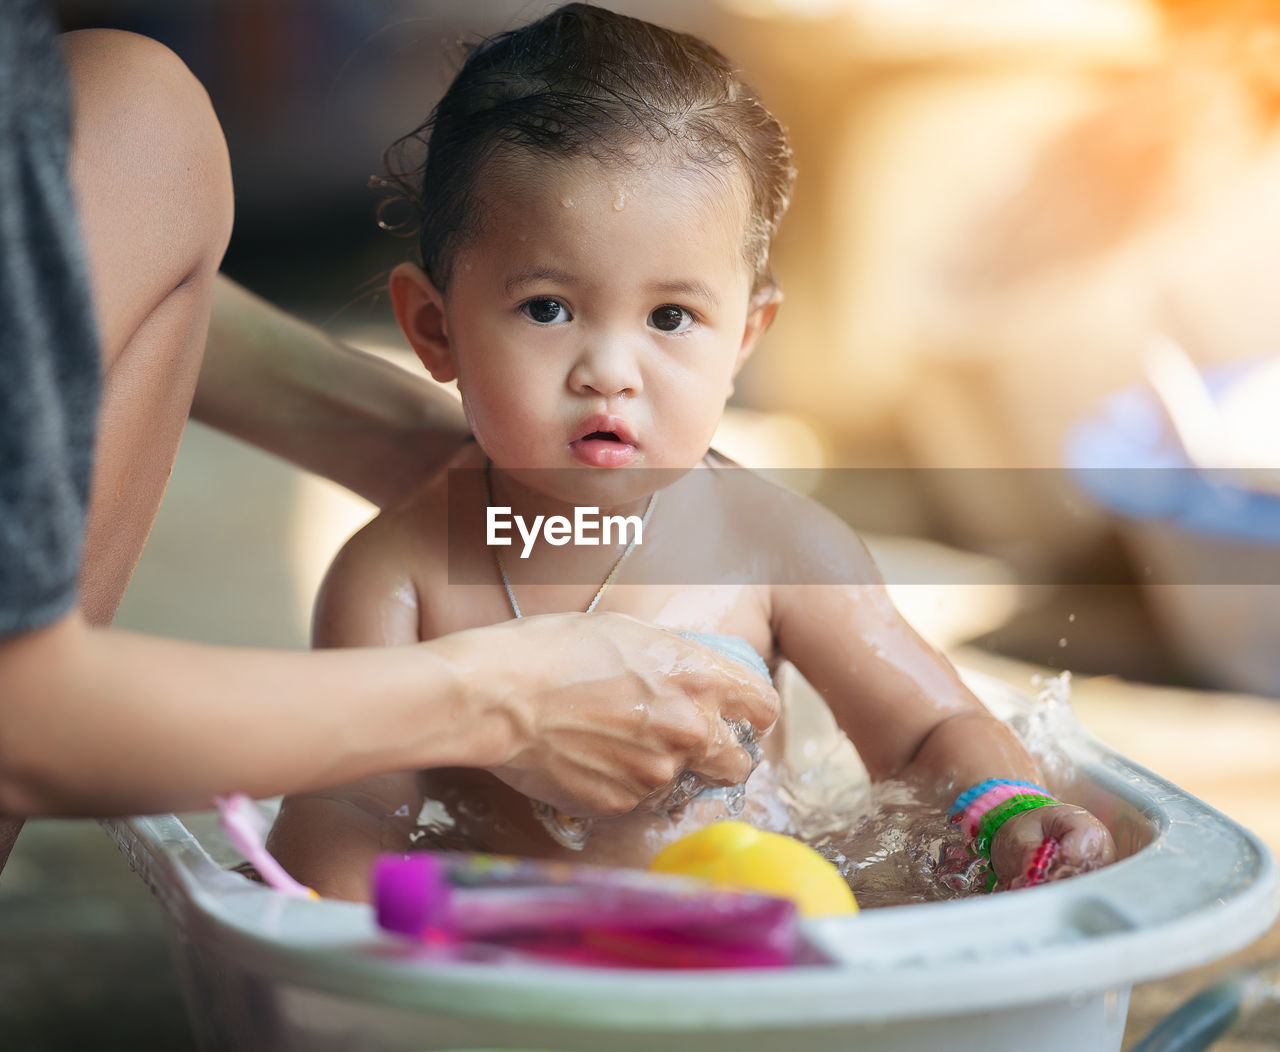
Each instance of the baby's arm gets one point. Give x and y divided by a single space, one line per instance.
903 704
329 838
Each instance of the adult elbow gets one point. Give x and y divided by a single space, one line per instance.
25 787
31 780
36 671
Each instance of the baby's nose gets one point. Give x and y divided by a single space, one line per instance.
606 367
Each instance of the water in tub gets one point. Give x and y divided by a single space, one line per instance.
889 845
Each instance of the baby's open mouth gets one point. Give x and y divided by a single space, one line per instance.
605 446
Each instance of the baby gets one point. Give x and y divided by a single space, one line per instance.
597 205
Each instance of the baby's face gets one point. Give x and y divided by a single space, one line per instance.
599 318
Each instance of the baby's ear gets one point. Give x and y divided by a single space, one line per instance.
759 318
419 308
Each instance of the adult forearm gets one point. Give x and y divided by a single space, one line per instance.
103 722
287 387
594 713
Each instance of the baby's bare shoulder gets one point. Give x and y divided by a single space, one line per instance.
409 538
419 521
798 538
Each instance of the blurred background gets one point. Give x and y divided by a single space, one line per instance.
1001 205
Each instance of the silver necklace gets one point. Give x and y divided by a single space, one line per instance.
565 830
610 577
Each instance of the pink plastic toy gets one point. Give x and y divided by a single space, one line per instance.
246 828
581 914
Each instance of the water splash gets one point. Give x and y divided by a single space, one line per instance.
899 849
888 840
735 797
565 830
1046 724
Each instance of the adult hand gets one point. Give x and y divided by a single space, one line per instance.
605 711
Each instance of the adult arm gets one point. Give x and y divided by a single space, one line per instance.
99 722
151 177
590 712
293 390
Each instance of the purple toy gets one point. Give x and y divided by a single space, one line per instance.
579 914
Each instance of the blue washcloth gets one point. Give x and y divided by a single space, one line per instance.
732 647
689 786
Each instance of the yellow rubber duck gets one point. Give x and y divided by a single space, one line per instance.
740 855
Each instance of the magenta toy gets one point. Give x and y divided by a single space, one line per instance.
482 905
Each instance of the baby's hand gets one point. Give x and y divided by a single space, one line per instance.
1083 843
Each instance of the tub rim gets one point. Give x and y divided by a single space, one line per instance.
1097 932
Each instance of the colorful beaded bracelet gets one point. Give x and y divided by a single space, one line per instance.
994 819
982 810
973 813
972 793
1038 871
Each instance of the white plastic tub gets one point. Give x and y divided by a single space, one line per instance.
1048 968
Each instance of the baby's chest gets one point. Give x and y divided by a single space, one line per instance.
740 610
717 609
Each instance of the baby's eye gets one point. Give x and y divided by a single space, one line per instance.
546 311
670 318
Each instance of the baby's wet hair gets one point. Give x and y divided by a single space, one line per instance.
584 81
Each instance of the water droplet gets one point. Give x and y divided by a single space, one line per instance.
620 201
1062 642
566 202
565 830
1071 617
